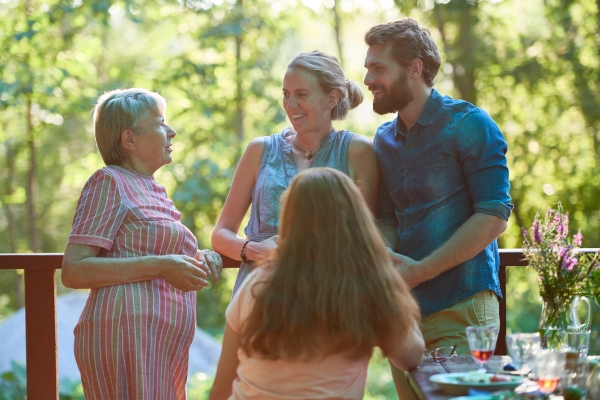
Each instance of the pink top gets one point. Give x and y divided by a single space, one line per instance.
334 377
132 340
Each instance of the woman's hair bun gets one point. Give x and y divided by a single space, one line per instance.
355 94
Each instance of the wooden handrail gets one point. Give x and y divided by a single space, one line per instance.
40 313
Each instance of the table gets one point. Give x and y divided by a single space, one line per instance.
432 391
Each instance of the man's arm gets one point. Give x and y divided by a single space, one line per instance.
469 240
390 236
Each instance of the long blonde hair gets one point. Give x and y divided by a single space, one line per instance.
333 288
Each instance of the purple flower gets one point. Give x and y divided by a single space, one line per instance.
562 252
568 263
560 231
536 232
577 239
565 221
561 222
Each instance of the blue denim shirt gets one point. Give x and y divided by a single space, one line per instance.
448 166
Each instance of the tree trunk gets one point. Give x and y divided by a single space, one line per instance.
461 51
466 52
337 26
239 97
239 78
10 219
30 187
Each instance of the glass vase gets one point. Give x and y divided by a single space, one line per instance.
562 317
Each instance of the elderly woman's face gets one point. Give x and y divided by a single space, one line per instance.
153 148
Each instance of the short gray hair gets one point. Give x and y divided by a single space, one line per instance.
118 110
329 74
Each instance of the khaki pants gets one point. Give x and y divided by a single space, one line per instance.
447 328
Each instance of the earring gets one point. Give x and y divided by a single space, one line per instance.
330 107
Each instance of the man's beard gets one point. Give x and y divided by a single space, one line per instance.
393 99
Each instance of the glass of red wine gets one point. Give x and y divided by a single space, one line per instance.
548 366
482 342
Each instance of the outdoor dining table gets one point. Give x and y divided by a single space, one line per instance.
431 391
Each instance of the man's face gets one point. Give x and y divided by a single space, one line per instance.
387 80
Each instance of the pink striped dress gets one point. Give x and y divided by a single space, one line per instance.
132 340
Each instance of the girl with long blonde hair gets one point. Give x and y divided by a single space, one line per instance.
305 325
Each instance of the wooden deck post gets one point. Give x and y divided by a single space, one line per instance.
501 342
41 334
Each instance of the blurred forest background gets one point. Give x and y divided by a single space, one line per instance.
533 65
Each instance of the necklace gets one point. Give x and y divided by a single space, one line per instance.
308 153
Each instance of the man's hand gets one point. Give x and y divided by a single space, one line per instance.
409 269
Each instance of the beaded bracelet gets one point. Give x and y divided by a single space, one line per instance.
242 254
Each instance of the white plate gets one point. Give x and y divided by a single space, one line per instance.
453 383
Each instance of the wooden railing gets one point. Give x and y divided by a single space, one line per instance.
40 314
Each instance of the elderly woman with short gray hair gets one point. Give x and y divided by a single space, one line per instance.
141 263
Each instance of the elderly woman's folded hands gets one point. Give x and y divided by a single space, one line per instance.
187 273
213 260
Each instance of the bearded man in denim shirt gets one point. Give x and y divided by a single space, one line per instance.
444 190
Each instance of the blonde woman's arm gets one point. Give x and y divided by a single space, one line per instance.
227 368
362 164
225 239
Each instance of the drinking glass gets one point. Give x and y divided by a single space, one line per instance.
548 366
574 379
521 348
593 383
578 342
482 342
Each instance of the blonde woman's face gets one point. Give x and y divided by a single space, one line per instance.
305 103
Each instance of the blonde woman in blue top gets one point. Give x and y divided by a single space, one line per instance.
315 92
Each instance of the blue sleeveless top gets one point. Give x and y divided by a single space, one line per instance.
275 174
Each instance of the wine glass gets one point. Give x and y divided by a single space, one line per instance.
482 342
522 347
548 366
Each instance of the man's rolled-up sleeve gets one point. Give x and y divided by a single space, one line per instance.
483 155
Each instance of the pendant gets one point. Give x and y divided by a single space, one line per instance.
307 154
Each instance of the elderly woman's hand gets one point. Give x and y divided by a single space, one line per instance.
185 273
214 262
